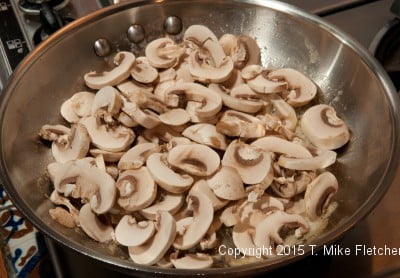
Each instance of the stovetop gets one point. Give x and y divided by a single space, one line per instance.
362 19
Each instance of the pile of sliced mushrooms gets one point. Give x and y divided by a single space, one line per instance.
166 150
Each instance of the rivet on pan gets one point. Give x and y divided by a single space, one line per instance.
173 25
102 47
135 33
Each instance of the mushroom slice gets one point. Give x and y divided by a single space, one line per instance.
137 189
278 145
163 133
91 184
203 214
234 123
143 72
193 261
206 134
165 176
76 147
195 159
250 72
241 236
107 156
230 215
126 120
202 186
93 227
68 113
135 157
82 102
319 194
163 53
146 118
167 75
107 98
291 186
175 117
302 89
131 233
243 49
113 140
68 218
153 250
263 84
227 184
131 87
323 159
267 231
286 114
57 133
167 202
123 60
324 128
178 95
252 163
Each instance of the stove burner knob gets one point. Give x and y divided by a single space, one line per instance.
51 21
173 25
135 33
102 47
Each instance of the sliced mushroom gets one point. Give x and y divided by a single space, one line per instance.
175 117
93 227
324 128
323 159
202 186
243 49
126 120
194 159
286 114
250 72
129 232
107 156
143 72
203 213
135 157
55 133
107 98
229 216
163 53
278 145
153 250
291 186
252 163
234 123
160 134
165 176
183 73
267 231
193 261
76 147
137 189
82 102
302 89
68 113
167 75
167 202
319 194
131 87
123 60
206 134
68 218
262 83
227 184
113 140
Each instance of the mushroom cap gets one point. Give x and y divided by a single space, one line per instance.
143 72
195 159
137 189
206 134
324 128
123 60
278 145
153 250
135 157
202 186
267 231
131 233
165 176
107 98
77 147
113 140
193 261
175 117
227 184
304 89
163 53
323 159
234 123
81 103
168 202
203 214
252 163
107 156
319 194
93 227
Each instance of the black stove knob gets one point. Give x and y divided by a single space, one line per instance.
32 7
51 20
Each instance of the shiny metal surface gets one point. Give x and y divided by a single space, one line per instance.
349 79
102 47
173 25
136 33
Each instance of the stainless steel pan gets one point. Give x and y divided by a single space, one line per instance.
348 77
